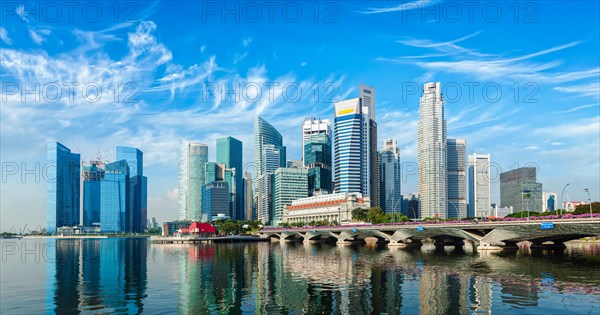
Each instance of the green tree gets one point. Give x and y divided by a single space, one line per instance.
359 214
585 209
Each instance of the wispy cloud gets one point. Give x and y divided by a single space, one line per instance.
587 90
247 41
37 36
406 6
21 12
4 36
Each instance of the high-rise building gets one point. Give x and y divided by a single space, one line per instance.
410 206
355 145
193 157
290 184
456 150
549 201
389 176
138 191
266 161
230 152
431 151
63 190
92 175
479 186
271 161
519 189
248 198
215 199
317 159
314 126
115 210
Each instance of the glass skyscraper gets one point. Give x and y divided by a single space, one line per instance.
230 152
457 178
137 214
389 176
63 187
479 186
193 157
92 175
265 133
431 151
215 199
519 189
114 198
317 158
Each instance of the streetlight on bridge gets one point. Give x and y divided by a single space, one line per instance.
561 198
589 199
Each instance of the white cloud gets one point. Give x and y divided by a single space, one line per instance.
407 6
587 90
4 36
21 12
303 64
37 36
246 42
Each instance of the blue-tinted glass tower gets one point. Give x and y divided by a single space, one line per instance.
92 175
63 187
114 193
229 152
137 214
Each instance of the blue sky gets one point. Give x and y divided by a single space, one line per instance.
521 81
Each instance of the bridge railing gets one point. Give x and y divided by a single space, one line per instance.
502 221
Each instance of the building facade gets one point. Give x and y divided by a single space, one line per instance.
216 199
64 189
248 198
230 152
390 177
431 147
289 184
317 159
265 134
92 175
314 126
519 189
138 189
549 201
115 209
456 153
193 157
410 206
479 186
331 208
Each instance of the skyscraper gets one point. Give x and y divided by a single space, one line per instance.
457 178
138 201
63 187
266 161
355 145
431 151
290 184
193 157
549 201
92 175
271 161
519 189
115 198
230 152
215 199
479 186
248 198
317 159
314 126
389 176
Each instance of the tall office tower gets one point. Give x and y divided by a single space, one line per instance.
193 157
138 190
314 126
216 199
366 95
410 205
271 161
479 186
265 134
248 198
519 189
389 176
229 152
355 145
431 151
457 178
317 159
115 198
290 184
63 190
549 201
92 175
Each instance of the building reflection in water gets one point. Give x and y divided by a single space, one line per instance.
96 276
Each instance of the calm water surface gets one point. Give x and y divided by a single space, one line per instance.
132 276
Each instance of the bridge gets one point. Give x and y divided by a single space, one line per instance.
487 235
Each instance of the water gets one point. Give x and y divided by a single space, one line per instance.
132 276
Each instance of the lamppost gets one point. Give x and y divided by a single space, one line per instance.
394 208
414 212
561 198
590 200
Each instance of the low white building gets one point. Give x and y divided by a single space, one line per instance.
501 212
333 207
571 205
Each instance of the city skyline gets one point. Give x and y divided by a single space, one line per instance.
560 128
